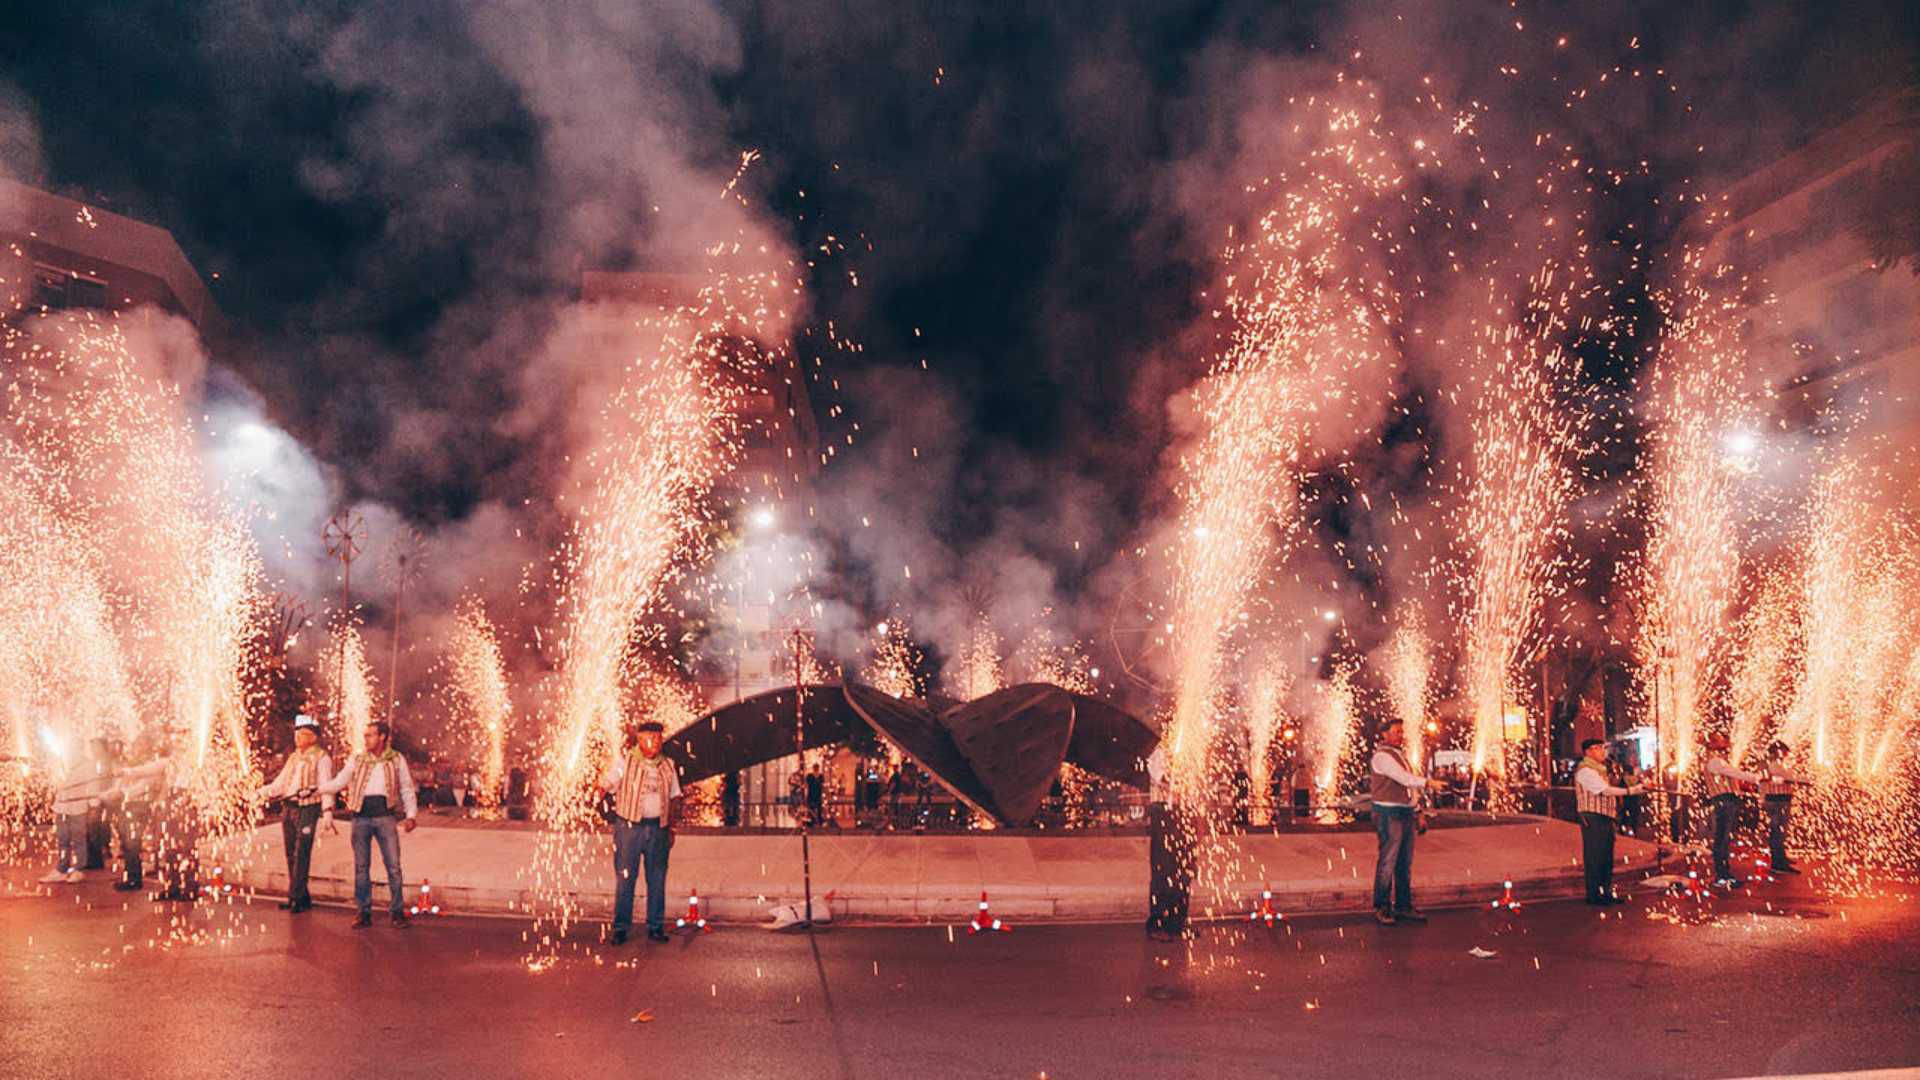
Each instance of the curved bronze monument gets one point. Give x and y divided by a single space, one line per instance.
999 754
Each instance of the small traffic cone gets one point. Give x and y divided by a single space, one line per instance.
218 886
1693 888
984 920
424 904
1265 913
1506 900
694 918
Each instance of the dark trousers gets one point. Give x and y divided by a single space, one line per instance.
1393 869
1169 879
637 846
296 829
178 863
1596 854
99 838
1726 814
385 830
1779 808
130 823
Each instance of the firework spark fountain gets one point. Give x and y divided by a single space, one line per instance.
675 426
1408 659
894 662
1518 487
1690 566
1266 717
154 591
351 687
976 671
478 681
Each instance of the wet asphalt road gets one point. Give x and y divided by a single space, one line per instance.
90 986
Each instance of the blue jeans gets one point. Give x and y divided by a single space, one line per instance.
636 843
71 831
385 829
1393 871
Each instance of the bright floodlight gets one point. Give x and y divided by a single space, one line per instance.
764 518
881 629
1329 615
1741 443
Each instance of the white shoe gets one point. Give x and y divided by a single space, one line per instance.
54 877
75 877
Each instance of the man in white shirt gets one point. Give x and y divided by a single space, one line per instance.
1724 784
302 807
1396 789
1598 801
77 793
645 787
381 798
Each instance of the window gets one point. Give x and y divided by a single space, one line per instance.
57 289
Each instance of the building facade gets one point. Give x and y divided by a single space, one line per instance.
58 254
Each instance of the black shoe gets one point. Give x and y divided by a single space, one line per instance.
288 905
1383 917
126 886
363 920
619 937
1414 915
1597 901
301 907
400 920
658 935
1611 901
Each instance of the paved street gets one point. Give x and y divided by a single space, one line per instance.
113 991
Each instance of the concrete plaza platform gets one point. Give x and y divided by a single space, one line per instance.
907 878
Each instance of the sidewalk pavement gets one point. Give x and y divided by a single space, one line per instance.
907 878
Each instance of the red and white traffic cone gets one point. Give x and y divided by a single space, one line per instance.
1506 900
217 887
1693 888
694 918
1265 913
984 921
424 903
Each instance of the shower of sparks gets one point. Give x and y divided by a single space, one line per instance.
1831 635
1514 511
1690 566
1307 305
1266 699
976 671
132 591
893 662
350 686
477 683
663 692
673 430
1331 738
1408 662
1042 658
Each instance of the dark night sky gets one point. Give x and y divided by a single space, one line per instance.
384 190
